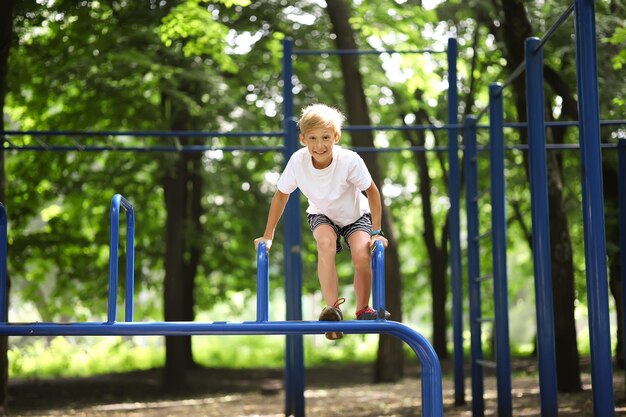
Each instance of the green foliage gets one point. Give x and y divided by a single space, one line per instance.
89 66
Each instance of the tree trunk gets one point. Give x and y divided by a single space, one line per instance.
176 347
389 365
515 30
6 30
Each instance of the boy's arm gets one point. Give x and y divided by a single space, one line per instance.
376 209
279 201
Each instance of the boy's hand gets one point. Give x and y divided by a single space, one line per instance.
374 238
262 239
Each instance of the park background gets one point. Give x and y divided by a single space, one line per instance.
173 66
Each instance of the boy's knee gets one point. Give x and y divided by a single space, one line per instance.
326 244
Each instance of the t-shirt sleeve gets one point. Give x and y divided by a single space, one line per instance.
359 174
287 182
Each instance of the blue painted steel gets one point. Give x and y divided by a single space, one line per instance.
593 209
294 360
621 191
4 296
454 190
540 228
499 249
262 284
143 133
378 279
432 401
116 202
364 51
473 266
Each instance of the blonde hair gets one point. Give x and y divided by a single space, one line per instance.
321 115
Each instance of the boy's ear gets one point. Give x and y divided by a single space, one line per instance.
337 136
301 137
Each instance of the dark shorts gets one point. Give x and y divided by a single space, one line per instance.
364 223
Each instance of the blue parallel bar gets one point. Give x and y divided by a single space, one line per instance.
473 266
499 249
378 279
432 401
540 229
621 191
294 355
593 209
118 202
262 284
454 189
4 296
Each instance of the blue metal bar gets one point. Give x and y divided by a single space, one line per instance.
593 209
142 133
116 202
294 374
378 280
262 284
360 128
473 265
498 248
540 229
621 192
304 52
573 123
554 27
140 149
4 287
432 401
454 190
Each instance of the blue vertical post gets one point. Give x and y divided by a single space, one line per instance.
262 284
4 296
294 357
473 264
499 249
593 209
454 189
541 230
114 241
621 190
378 281
130 258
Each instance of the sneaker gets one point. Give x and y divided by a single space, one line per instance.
368 313
333 313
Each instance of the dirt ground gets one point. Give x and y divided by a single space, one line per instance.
330 392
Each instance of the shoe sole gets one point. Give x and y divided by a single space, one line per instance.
333 335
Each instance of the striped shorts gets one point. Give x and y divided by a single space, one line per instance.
364 223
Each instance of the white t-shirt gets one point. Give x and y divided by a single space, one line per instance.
334 191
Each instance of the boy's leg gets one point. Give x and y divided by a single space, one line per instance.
359 242
326 239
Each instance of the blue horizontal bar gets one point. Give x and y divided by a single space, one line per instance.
142 133
365 51
187 148
179 328
357 128
572 123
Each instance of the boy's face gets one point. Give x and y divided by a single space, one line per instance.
320 141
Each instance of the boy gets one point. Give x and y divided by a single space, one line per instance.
332 179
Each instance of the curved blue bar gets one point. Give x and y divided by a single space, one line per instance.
378 279
3 265
593 209
540 228
432 400
498 250
116 202
262 284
